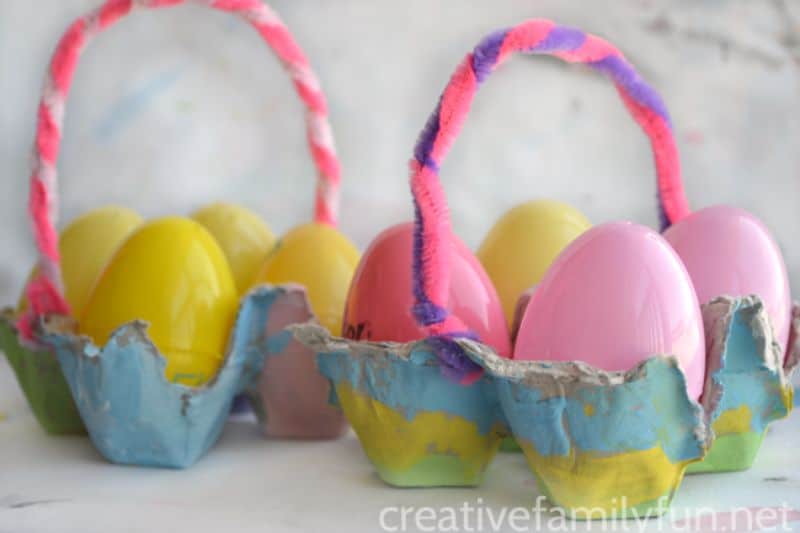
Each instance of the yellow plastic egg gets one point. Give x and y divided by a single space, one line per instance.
172 274
85 246
320 258
524 242
243 236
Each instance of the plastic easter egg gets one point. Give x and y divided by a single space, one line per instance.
243 236
172 274
85 246
616 296
523 243
729 252
321 259
380 299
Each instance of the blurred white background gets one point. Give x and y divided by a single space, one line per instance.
174 108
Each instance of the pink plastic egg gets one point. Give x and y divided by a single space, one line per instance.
728 251
380 299
616 296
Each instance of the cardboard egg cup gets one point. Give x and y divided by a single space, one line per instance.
739 417
748 380
290 395
39 375
615 443
417 428
136 416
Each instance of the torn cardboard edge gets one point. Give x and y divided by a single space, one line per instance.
136 330
554 377
718 317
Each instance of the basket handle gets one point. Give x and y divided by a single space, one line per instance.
45 292
431 276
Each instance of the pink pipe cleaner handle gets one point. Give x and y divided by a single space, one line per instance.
45 292
432 230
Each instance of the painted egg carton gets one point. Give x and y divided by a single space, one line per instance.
133 413
594 439
434 412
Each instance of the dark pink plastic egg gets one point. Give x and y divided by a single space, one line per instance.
380 301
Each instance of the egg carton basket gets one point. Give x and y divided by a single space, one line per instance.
434 412
132 413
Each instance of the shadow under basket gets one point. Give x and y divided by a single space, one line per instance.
42 381
133 414
417 428
748 380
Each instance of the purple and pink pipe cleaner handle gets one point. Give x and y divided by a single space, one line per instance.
45 291
432 232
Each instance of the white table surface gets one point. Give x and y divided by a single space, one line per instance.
249 484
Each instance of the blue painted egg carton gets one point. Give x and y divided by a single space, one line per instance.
418 428
589 436
616 442
752 378
748 380
132 413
